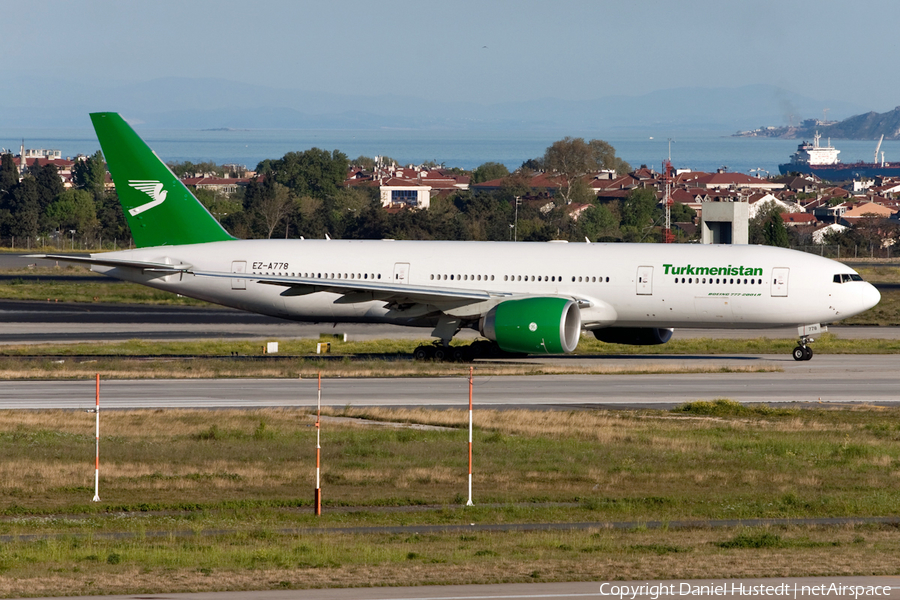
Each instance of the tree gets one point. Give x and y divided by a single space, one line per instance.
595 222
187 168
489 171
275 206
266 205
9 174
90 174
775 233
573 158
641 209
23 204
49 184
73 209
768 228
314 172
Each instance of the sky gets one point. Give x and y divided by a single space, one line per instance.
483 51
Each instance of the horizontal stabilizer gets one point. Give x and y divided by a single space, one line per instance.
145 266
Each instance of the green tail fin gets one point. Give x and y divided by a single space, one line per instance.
160 210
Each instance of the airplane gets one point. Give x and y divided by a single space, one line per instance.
524 298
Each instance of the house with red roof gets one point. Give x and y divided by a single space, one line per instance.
736 181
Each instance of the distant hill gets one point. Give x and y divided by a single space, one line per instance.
868 126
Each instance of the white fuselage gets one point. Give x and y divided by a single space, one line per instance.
627 285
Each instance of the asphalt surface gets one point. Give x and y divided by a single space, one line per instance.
827 379
782 588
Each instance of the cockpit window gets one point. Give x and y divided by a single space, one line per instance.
845 277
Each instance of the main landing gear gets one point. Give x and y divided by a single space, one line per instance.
477 349
803 351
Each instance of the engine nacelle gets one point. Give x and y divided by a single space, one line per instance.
534 325
635 336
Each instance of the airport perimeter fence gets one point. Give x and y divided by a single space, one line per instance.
839 252
71 243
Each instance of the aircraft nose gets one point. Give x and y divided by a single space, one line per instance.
870 296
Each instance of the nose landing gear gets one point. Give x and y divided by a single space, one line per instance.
803 351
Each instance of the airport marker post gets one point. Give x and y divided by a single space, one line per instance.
97 446
318 495
471 370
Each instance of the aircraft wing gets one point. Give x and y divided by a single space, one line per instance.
355 290
145 266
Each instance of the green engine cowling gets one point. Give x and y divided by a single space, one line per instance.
534 325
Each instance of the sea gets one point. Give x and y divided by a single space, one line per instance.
466 149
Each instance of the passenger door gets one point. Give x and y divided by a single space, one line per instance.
401 272
780 281
645 281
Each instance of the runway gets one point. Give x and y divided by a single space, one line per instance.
827 379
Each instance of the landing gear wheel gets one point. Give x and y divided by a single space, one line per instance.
479 348
440 354
808 353
423 353
799 353
460 354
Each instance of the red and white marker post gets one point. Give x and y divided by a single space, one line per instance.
318 495
471 370
97 449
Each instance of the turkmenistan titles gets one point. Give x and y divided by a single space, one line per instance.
726 271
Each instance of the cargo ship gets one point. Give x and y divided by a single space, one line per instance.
822 161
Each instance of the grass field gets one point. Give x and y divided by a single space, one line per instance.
169 477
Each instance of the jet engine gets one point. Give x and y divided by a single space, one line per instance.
534 325
635 336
